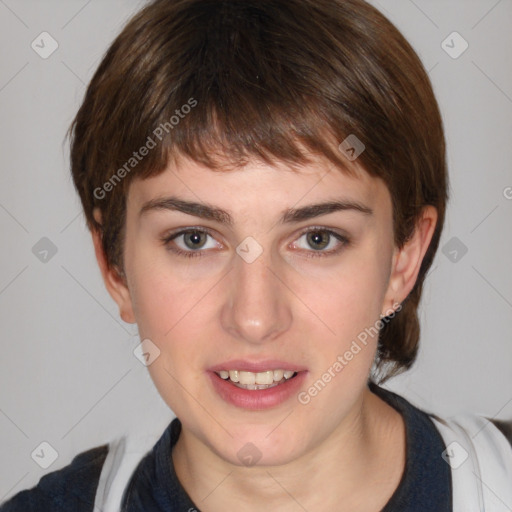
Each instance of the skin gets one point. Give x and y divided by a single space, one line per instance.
202 311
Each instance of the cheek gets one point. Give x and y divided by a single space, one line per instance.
163 305
175 310
163 291
167 312
346 298
347 306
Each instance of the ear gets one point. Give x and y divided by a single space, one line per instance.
407 260
115 283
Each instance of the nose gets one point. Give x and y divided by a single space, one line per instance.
257 302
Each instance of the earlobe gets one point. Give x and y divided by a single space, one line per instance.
115 283
407 260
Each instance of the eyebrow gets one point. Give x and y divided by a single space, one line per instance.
289 216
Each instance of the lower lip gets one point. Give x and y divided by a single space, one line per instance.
257 399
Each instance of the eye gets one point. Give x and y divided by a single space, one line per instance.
194 242
190 242
322 242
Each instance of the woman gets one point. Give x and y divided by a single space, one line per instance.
265 184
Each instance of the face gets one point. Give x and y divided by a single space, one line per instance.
251 277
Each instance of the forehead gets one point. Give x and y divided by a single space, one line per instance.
260 185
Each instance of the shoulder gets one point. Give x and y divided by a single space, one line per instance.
71 488
479 452
477 430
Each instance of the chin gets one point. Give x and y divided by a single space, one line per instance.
257 448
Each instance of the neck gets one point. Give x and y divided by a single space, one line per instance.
366 451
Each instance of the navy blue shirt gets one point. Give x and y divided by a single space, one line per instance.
154 486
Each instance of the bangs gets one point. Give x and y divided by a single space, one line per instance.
216 136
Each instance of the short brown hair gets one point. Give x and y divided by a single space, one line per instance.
272 80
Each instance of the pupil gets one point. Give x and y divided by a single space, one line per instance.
318 239
193 240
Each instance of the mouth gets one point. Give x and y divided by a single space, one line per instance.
256 380
257 385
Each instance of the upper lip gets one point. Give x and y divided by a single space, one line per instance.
256 366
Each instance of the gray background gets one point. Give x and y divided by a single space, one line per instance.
68 375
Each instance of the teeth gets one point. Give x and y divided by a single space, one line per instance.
247 377
278 374
264 377
251 379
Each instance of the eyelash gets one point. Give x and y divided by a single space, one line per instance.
344 242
